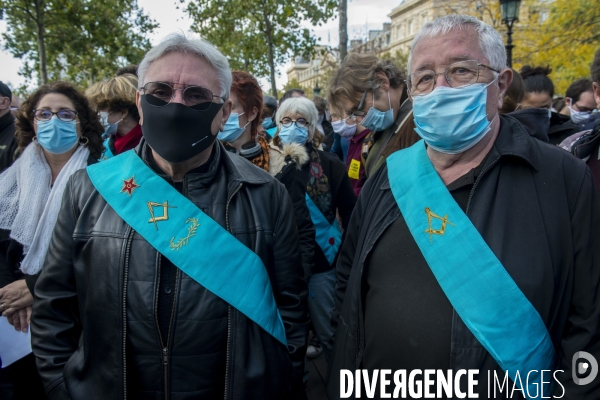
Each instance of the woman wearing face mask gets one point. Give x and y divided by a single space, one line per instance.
58 133
353 134
114 99
328 193
372 92
240 134
539 91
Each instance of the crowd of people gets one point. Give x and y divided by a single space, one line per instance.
173 232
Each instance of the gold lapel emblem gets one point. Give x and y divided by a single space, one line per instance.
184 241
430 230
153 218
129 186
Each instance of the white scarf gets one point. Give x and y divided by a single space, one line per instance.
29 206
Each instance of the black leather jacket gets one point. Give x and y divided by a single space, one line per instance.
536 207
80 317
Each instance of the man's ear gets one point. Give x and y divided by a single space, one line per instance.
382 81
227 106
139 107
504 79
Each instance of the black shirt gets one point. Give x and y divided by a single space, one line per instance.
408 318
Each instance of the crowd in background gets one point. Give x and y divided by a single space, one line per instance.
323 151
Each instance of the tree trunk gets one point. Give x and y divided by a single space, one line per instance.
40 39
269 34
343 13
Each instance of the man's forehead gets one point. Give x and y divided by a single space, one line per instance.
182 70
447 48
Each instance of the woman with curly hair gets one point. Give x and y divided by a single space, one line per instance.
58 133
114 100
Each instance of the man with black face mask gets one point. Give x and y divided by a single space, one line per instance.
174 270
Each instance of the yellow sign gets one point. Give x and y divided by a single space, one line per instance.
353 171
430 230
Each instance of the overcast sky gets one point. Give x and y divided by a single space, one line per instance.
362 15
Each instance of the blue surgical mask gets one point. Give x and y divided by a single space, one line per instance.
578 116
57 136
377 120
293 134
232 129
452 120
268 123
109 129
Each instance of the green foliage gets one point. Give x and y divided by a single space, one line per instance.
257 35
566 40
83 40
399 58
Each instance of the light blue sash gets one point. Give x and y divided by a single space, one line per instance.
194 242
481 291
328 236
107 151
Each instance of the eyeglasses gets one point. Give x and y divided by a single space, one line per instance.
196 97
359 110
300 122
46 115
459 74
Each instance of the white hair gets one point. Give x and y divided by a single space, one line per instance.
490 40
302 106
179 43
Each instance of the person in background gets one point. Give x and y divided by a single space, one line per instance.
58 133
514 94
174 270
354 135
340 143
15 104
328 194
580 101
324 126
130 69
296 92
535 120
240 136
539 91
372 92
8 142
478 193
586 143
114 99
269 126
560 106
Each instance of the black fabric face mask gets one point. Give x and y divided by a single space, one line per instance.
175 131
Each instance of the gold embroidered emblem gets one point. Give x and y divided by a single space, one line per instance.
184 241
153 218
430 230
129 186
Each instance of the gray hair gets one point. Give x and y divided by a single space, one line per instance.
490 40
179 43
300 105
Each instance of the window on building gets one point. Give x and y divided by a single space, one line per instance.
399 32
411 28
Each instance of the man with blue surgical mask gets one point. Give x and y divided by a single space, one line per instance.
371 92
476 248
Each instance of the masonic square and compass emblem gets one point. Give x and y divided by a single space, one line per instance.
430 217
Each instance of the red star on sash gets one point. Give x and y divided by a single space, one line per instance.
129 186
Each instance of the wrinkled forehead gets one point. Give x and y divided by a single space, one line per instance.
433 52
182 70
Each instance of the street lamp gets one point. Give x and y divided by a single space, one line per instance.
317 89
510 14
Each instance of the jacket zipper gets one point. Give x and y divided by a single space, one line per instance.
124 310
229 307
